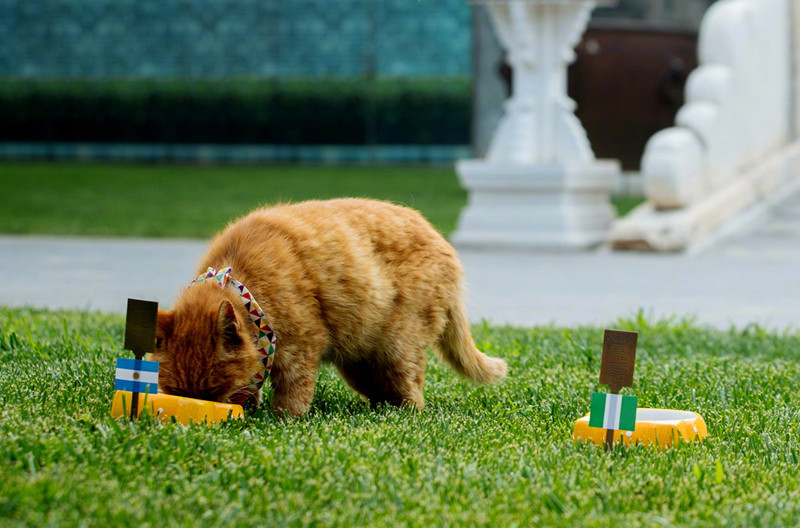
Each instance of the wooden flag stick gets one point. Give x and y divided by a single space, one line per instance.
616 365
140 335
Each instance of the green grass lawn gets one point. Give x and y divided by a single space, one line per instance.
476 456
105 199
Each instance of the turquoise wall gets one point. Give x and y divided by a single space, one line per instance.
233 38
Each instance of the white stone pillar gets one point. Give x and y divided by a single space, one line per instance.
540 185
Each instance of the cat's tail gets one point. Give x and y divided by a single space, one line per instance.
458 349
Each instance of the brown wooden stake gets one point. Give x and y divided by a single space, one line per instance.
616 365
134 405
140 335
609 439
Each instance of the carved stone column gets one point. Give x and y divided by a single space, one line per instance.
539 185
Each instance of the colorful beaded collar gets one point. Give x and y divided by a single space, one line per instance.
264 335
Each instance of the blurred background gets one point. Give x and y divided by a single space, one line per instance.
169 118
359 81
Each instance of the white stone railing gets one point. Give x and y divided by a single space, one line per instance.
734 141
540 185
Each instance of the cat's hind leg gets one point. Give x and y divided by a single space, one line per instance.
396 382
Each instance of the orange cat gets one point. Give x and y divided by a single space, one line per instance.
363 284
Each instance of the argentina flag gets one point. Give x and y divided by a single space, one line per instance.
136 375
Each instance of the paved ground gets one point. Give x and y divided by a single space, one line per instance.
749 273
751 276
94 274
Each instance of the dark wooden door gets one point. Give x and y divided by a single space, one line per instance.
628 84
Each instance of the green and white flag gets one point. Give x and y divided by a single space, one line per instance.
613 411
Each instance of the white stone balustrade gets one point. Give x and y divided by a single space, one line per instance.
734 140
539 185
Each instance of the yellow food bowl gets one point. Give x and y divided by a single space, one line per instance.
185 410
662 427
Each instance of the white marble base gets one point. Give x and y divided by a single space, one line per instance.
650 228
525 206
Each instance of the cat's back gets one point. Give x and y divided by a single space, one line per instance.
345 225
341 235
358 216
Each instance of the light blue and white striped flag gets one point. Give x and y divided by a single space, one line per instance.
136 375
613 411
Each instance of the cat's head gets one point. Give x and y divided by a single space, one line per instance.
204 347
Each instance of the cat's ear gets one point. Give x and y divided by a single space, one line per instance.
228 324
164 323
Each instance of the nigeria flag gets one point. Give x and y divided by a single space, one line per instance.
613 411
